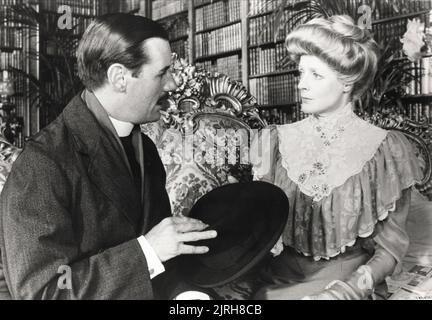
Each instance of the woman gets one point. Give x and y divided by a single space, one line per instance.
349 182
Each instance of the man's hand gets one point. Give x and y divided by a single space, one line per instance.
278 248
168 237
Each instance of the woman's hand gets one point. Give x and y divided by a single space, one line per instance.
336 290
358 287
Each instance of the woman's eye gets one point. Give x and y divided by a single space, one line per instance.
317 76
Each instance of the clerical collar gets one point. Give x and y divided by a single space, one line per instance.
122 128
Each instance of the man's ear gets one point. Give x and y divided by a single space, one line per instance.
116 75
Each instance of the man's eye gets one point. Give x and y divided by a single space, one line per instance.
317 76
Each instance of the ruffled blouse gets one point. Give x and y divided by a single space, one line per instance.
368 204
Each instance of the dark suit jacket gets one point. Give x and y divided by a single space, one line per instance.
70 201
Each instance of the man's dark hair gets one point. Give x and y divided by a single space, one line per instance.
114 38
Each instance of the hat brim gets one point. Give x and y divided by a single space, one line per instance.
209 278
201 275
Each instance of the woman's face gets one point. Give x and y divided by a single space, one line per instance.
320 88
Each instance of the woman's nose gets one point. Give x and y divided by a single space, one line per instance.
302 85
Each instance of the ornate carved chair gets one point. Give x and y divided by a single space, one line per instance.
206 103
204 135
420 135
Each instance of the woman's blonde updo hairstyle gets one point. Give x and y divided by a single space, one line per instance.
345 47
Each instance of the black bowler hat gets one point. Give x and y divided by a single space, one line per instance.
249 218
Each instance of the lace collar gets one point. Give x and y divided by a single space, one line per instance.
329 128
321 153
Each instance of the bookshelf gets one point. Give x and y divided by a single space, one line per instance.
14 45
45 52
57 48
239 38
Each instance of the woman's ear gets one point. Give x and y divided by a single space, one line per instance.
347 88
116 77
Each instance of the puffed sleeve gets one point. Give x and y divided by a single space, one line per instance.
398 173
263 154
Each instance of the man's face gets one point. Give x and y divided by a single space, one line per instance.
154 80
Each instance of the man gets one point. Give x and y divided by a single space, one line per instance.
85 213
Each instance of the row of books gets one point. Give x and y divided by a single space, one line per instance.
180 47
218 41
263 6
79 24
276 90
10 29
283 115
164 8
8 3
79 7
422 77
379 9
9 60
217 14
263 30
266 60
11 37
426 75
419 111
230 66
388 8
389 33
203 2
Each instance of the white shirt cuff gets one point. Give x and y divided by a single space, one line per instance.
192 295
155 266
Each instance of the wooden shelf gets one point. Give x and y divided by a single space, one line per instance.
272 74
79 15
207 3
266 44
218 55
183 37
262 14
10 49
172 16
416 97
227 24
403 16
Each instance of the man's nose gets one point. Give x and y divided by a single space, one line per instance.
170 84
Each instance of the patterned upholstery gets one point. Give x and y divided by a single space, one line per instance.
204 136
8 154
420 135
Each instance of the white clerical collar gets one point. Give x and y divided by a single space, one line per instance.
122 128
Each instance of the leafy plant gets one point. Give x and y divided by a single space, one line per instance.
393 74
57 83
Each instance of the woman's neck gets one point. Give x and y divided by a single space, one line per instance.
344 108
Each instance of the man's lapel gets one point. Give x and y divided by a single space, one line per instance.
107 168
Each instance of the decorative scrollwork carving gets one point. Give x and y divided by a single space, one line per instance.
200 93
420 134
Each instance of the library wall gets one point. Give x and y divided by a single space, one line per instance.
13 47
235 37
218 46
